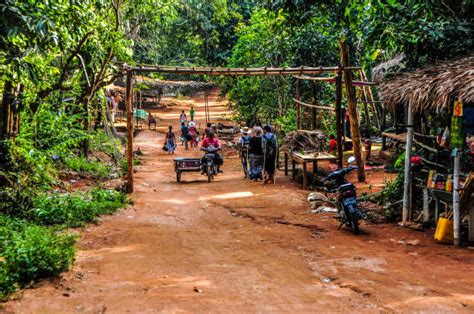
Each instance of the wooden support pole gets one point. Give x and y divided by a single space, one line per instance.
456 205
406 183
314 102
339 117
352 106
128 105
383 126
298 105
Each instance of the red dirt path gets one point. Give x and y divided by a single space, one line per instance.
239 246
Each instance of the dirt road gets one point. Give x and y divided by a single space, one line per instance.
239 246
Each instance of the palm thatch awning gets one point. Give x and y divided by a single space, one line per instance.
432 88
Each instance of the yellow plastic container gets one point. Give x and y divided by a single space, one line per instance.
444 231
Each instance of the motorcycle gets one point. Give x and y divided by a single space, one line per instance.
349 213
209 165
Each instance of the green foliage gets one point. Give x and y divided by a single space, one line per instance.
95 169
400 162
73 210
287 123
30 252
392 192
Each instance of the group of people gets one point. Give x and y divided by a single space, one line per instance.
258 146
258 152
189 134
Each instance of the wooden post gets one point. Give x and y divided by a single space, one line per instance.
128 105
305 176
456 205
298 106
352 106
314 102
406 183
382 129
426 211
339 117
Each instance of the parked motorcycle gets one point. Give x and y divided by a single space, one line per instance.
209 164
349 213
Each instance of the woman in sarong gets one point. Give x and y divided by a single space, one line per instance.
256 155
170 140
270 151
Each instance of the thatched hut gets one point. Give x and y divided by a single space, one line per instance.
431 88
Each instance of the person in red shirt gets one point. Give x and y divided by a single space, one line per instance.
212 141
332 144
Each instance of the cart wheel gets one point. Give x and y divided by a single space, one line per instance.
178 176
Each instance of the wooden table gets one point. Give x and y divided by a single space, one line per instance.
303 159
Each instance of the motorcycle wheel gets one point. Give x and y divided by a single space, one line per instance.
354 221
210 175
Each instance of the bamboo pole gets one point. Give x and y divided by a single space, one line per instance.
352 106
339 117
311 106
456 205
262 71
332 79
383 126
406 180
314 102
129 104
298 104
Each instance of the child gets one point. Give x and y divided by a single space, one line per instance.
332 144
191 113
182 117
368 147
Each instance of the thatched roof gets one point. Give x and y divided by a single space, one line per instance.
432 87
390 67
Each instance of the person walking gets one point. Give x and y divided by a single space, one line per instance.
256 155
184 135
170 140
182 117
243 146
191 113
270 151
193 134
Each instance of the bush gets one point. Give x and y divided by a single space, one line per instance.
74 210
29 252
92 168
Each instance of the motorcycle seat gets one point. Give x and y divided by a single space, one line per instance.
347 186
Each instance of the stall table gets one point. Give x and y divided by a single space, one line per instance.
303 159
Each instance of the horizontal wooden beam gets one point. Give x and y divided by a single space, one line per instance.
312 106
332 79
261 71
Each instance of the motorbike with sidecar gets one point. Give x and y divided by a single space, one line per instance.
206 165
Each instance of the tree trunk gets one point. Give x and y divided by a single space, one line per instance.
352 106
6 110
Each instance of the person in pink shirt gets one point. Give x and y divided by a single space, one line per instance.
212 141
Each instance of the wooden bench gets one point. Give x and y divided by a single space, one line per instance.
304 159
